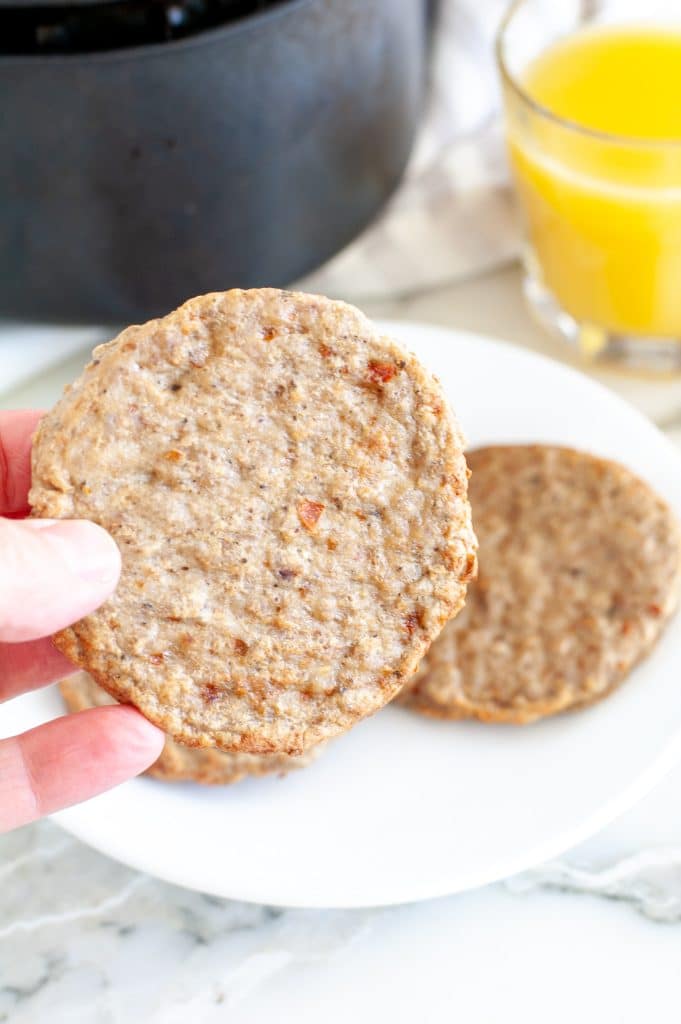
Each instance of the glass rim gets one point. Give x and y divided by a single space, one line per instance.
611 138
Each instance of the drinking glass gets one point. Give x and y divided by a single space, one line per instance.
601 212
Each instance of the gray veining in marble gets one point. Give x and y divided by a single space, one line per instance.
76 927
650 881
83 938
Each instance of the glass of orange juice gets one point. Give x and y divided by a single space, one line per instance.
592 93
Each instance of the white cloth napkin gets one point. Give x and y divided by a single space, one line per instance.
453 215
27 350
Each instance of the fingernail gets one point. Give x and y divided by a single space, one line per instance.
89 551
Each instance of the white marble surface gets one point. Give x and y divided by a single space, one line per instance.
595 936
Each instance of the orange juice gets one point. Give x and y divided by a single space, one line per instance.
600 181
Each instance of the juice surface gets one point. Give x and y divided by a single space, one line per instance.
624 81
604 214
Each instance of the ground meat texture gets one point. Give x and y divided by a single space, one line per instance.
288 491
579 571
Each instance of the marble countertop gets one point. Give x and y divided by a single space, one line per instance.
85 939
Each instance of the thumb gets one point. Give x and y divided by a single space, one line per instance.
52 572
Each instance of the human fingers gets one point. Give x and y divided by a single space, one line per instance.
52 573
16 431
72 759
25 666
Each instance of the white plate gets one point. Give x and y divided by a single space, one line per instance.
403 808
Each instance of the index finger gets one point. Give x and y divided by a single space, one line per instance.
71 759
16 431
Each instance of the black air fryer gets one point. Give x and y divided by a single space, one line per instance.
155 150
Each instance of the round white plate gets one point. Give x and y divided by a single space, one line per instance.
403 808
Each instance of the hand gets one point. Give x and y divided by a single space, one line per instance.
52 572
